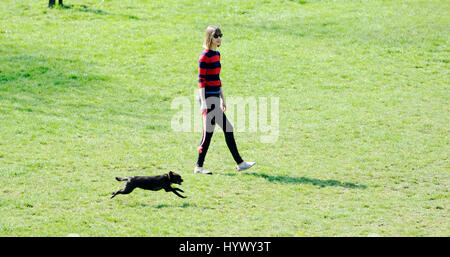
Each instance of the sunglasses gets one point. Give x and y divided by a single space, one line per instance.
218 35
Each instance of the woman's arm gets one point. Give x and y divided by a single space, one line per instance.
202 66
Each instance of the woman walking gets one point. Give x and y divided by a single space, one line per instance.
210 97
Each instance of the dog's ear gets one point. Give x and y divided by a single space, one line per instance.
171 172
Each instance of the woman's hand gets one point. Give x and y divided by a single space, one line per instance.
202 99
222 97
203 106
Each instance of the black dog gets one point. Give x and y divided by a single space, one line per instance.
154 183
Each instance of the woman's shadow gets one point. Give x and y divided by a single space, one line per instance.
305 180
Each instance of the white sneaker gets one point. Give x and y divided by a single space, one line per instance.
245 165
202 170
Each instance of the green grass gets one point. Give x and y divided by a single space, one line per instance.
363 149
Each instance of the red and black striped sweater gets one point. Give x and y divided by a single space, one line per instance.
208 72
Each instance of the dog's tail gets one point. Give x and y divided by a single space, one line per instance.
121 179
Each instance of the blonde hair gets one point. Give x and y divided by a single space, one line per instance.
210 31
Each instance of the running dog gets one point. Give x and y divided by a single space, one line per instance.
153 183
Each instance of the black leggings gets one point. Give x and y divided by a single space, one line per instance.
213 115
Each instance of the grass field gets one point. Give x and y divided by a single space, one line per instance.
363 146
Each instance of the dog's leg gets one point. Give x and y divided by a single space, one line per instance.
126 190
170 189
174 190
177 189
114 194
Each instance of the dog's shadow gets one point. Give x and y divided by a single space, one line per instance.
91 10
162 206
306 180
183 206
